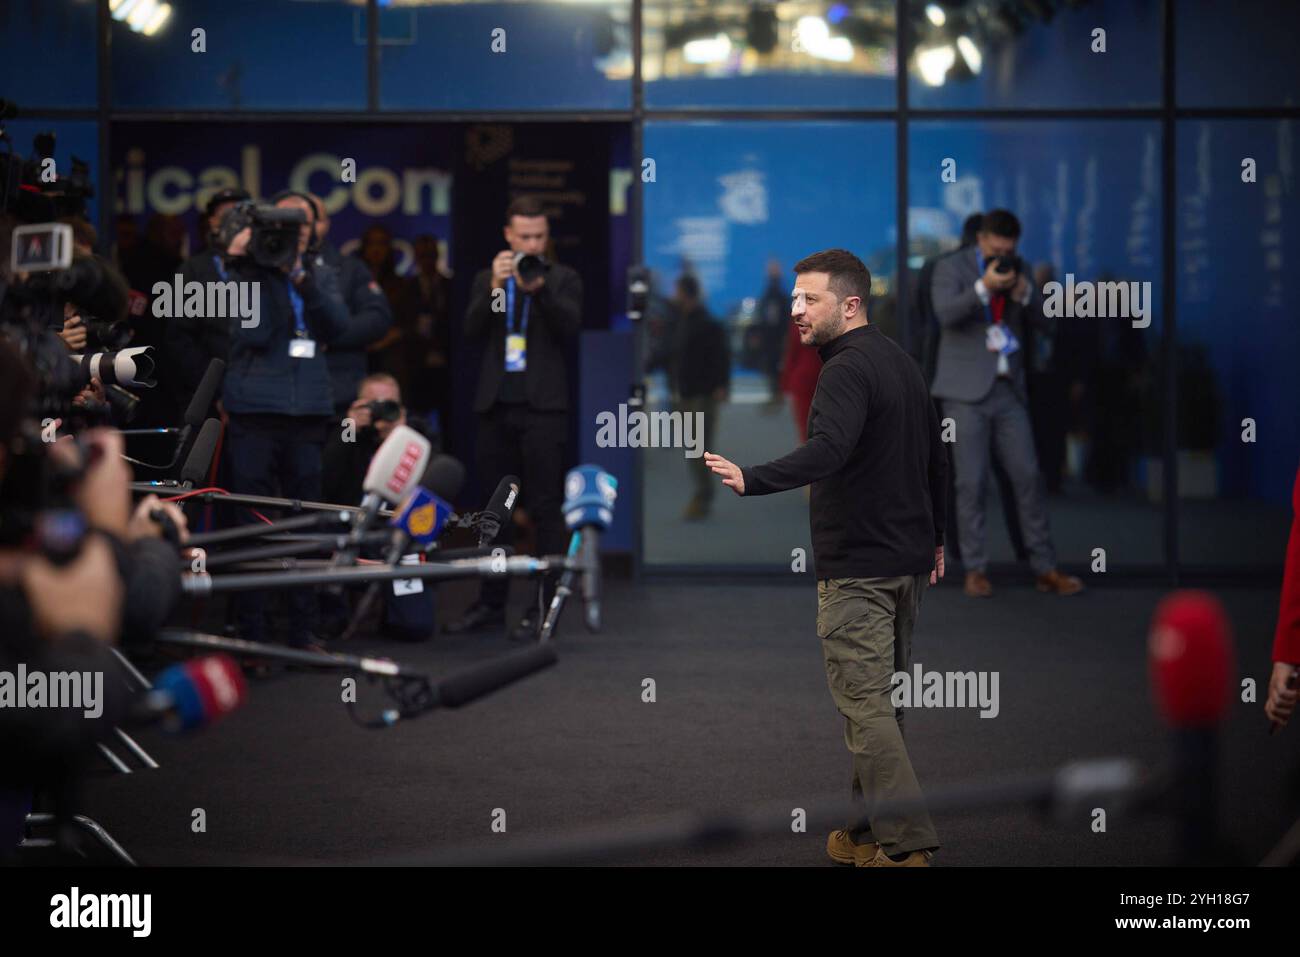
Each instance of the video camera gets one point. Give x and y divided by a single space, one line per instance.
41 274
274 240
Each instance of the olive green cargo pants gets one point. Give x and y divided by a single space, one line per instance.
865 626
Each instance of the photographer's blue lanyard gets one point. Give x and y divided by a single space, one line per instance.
511 329
516 336
221 268
295 300
988 306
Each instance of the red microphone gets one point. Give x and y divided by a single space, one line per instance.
194 694
1192 660
1192 669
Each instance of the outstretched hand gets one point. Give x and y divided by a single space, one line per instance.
730 472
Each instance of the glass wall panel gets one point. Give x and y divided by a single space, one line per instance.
735 205
1238 339
495 55
751 56
1087 194
1102 53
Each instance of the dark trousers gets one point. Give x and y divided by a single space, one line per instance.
514 439
276 458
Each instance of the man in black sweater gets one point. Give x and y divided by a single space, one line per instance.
877 467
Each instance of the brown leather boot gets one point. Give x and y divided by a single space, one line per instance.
1059 584
978 585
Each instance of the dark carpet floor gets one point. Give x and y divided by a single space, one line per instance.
742 716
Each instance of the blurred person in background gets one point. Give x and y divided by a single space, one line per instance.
369 315
376 251
984 301
701 380
193 341
426 334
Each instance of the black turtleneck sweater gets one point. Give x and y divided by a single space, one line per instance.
874 458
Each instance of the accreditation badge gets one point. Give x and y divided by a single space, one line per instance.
300 348
516 352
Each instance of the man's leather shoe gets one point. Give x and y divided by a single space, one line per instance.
978 585
1059 584
476 618
914 859
527 628
842 850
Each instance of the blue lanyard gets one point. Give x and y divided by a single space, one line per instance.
221 268
295 300
510 309
988 306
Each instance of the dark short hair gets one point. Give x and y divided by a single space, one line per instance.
970 227
527 206
688 285
849 276
1001 222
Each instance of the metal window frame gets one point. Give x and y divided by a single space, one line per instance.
1168 113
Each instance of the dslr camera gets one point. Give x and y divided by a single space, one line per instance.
1009 263
385 410
274 240
530 267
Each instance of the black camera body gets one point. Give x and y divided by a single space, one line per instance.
274 240
1009 263
385 410
530 267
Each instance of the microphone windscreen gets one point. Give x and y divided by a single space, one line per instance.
195 470
474 683
398 465
203 690
1191 659
444 477
589 495
206 392
501 506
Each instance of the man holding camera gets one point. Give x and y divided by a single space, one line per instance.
277 388
368 421
983 300
526 310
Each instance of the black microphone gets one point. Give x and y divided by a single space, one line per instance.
195 470
499 510
460 689
197 411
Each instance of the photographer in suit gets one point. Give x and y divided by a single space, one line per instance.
526 310
983 300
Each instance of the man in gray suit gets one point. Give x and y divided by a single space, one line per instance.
983 300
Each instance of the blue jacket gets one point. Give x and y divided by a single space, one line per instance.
262 377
